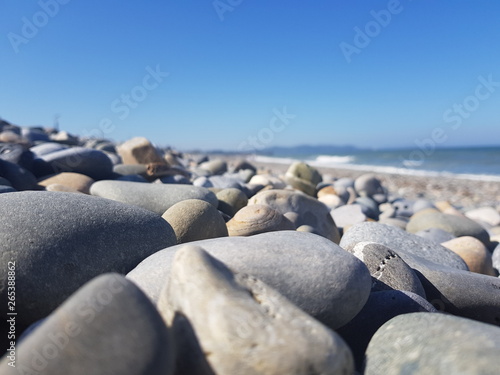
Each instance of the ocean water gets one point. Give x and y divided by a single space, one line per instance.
477 163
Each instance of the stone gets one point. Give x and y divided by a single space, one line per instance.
495 258
435 234
404 243
473 252
381 307
18 177
64 137
403 208
194 219
246 316
214 167
242 164
139 150
368 185
344 186
107 327
459 226
93 163
422 204
231 200
34 135
312 272
267 179
59 241
326 190
257 218
369 207
75 181
17 154
345 216
308 210
62 188
153 197
426 343
486 214
6 189
131 169
221 182
47 148
331 201
446 207
388 270
303 177
395 222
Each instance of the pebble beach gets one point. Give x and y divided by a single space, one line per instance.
125 258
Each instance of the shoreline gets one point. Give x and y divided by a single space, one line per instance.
462 193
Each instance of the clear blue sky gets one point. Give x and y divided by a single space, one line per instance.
232 64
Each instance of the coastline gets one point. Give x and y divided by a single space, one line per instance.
463 193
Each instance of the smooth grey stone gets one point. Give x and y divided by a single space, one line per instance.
6 189
106 146
485 214
422 204
17 154
307 210
459 226
47 148
34 134
387 269
345 216
435 234
314 273
231 201
246 316
19 177
107 327
381 307
342 186
402 242
368 185
93 163
403 208
426 343
131 169
153 197
115 158
215 167
59 241
458 292
370 207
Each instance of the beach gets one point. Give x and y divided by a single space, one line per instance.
464 193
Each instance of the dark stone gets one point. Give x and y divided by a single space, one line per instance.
425 343
107 327
380 308
93 163
59 241
20 178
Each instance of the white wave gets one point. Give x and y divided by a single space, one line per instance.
334 159
383 169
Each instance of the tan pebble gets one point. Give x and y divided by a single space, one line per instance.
473 252
257 218
75 181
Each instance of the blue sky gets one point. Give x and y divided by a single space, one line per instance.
222 74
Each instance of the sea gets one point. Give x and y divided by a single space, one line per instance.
472 163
